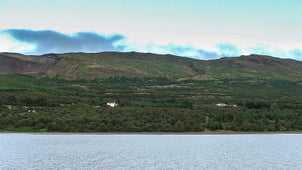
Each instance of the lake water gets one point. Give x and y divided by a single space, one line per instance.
81 151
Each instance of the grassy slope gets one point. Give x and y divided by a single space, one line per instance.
255 66
13 63
100 65
109 64
91 66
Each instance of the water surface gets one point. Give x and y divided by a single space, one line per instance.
81 151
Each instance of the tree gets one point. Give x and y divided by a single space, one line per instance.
187 104
179 126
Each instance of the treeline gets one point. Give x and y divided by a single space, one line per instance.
131 119
148 104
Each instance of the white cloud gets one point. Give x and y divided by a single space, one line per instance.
8 44
47 41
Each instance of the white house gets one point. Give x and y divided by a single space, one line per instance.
225 105
112 104
221 104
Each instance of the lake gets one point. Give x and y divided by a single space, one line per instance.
131 151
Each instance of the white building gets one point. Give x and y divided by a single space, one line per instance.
225 105
221 104
113 104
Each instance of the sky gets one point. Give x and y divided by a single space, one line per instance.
201 29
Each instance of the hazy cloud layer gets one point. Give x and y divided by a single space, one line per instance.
296 53
197 53
48 41
227 50
221 50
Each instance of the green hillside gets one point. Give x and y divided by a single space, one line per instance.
100 65
90 66
255 66
154 93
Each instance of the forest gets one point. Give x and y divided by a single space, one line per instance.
44 104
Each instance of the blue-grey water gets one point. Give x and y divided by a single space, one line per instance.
81 151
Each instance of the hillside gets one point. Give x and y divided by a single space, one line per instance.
154 93
73 66
255 66
12 63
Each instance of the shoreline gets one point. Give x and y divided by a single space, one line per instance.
156 133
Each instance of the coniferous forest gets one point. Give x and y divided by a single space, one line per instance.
44 104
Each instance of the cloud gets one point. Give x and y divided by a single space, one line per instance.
218 50
230 50
188 51
277 52
227 50
185 51
296 54
11 45
47 41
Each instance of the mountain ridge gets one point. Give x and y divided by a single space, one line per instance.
133 64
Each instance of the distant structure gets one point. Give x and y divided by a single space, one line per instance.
225 105
221 105
31 111
112 104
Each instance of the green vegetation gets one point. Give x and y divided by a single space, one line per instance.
149 104
69 92
90 66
